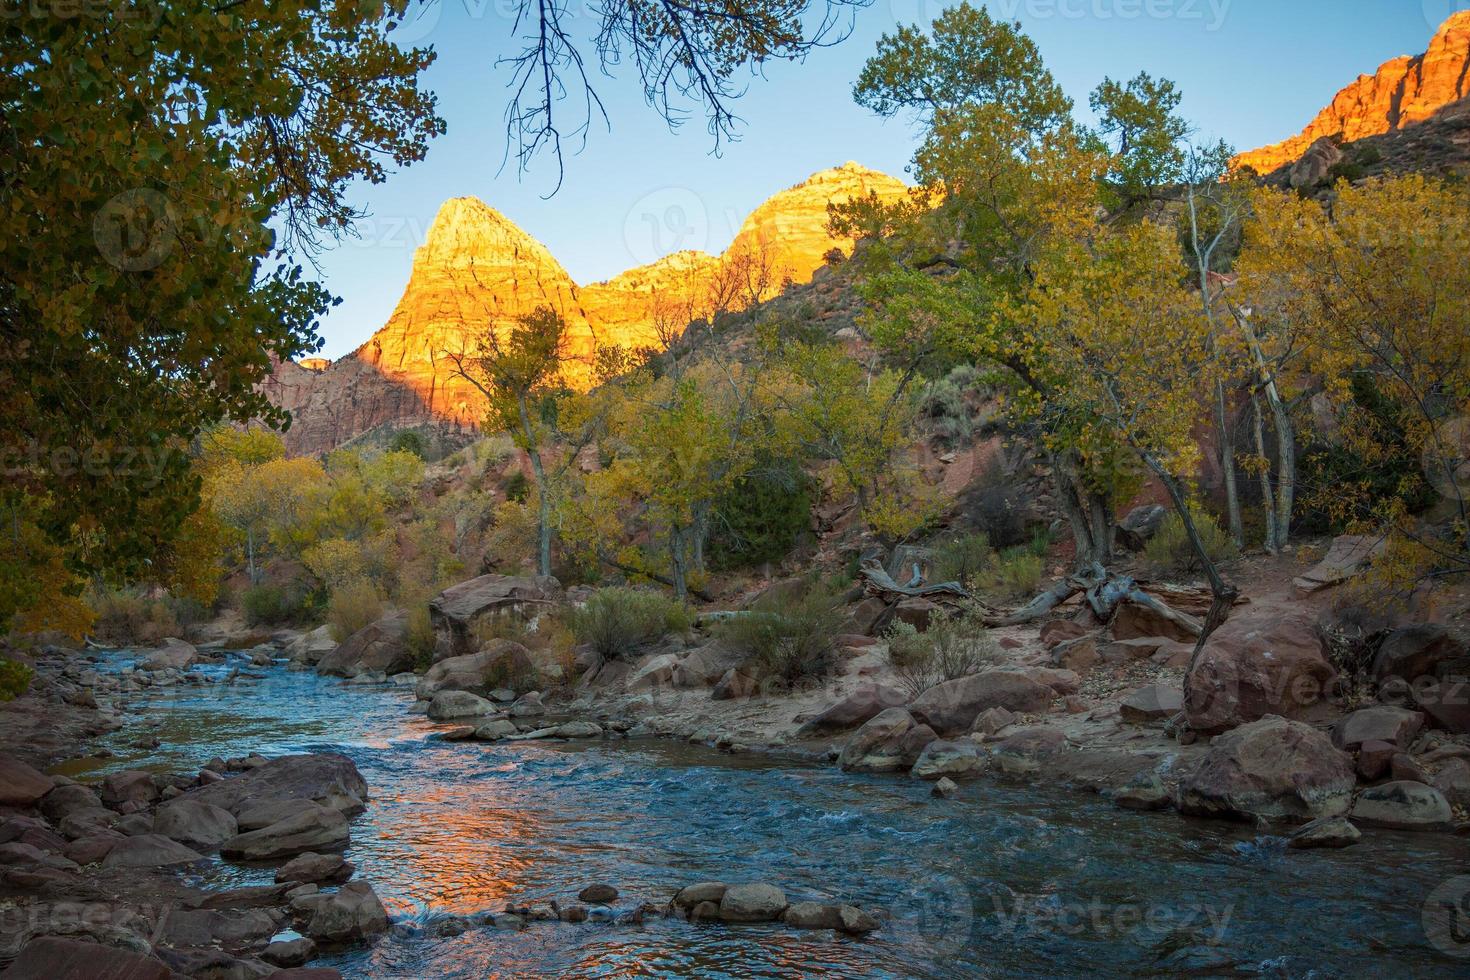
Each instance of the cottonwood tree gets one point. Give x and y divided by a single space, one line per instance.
520 373
161 164
1378 287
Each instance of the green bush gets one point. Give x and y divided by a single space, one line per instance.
15 679
408 441
271 605
761 517
618 621
962 558
1170 552
1016 574
352 607
516 487
128 616
419 639
956 644
788 640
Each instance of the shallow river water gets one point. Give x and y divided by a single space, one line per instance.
1004 880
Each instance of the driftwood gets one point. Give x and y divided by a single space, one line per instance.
878 582
1103 594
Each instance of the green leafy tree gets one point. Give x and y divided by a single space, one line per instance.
1139 119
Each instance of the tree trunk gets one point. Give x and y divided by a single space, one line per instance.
1100 516
543 492
1070 499
250 558
1267 494
677 563
1227 466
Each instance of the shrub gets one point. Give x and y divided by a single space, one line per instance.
408 441
130 617
352 607
501 626
1017 574
15 679
761 517
788 640
516 487
962 558
617 621
994 510
1170 552
419 638
956 644
270 605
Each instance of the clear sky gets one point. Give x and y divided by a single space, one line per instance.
1252 72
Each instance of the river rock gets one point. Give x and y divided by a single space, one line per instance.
499 662
447 705
54 958
90 850
495 729
1349 555
21 785
1266 661
598 894
854 921
1272 768
1078 655
527 706
310 867
656 671
945 758
950 708
200 825
992 720
1403 805
312 827
132 786
1157 702
204 927
812 915
288 952
352 912
148 851
1333 832
327 778
579 729
1134 620
1144 792
455 611
733 685
945 788
1021 753
171 654
310 648
755 902
66 798
1432 663
862 705
1453 780
890 742
1380 723
707 664
380 647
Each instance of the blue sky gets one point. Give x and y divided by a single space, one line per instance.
1252 72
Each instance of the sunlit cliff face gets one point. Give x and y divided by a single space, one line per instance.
477 267
1404 91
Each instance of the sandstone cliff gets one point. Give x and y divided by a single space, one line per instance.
476 267
1402 93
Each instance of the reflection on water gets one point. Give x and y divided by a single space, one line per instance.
1003 881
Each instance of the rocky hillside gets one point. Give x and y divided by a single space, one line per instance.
477 266
1403 93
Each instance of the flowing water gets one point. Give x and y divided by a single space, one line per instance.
1001 881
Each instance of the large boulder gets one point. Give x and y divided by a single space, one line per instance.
656 671
863 704
149 851
130 786
378 647
950 708
1134 621
327 778
352 912
890 742
455 611
1267 661
310 867
55 958
460 704
502 663
1140 525
310 648
312 827
193 822
1431 665
706 665
1273 768
1403 805
1315 166
21 785
65 799
1349 555
171 653
945 758
1380 723
757 902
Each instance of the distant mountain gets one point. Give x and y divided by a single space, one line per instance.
477 266
1403 93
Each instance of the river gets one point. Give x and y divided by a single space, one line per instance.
1004 880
